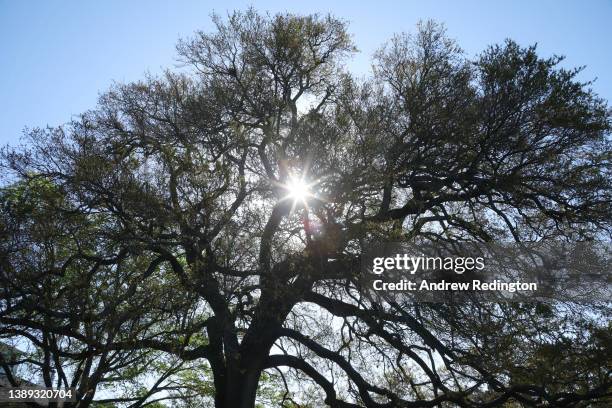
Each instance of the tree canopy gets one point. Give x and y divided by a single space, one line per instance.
154 251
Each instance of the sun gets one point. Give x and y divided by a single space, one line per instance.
299 191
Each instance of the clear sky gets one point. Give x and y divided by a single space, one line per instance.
57 56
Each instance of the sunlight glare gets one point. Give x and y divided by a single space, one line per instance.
298 190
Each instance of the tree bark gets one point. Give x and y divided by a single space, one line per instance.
241 389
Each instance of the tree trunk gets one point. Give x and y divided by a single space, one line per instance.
241 388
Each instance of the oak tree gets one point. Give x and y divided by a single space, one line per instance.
199 231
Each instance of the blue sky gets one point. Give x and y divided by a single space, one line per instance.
57 56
